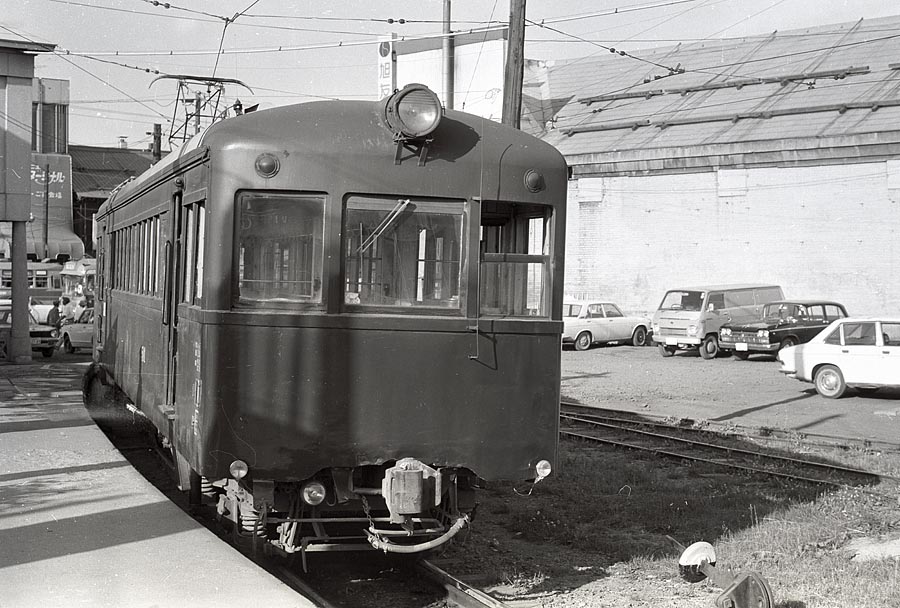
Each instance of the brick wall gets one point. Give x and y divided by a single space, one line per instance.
830 232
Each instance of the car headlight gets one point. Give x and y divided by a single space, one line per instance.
726 331
763 333
692 329
54 333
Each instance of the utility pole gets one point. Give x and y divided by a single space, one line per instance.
447 55
157 142
515 65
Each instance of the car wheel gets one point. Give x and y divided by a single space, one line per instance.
830 382
709 348
68 345
639 337
741 354
786 343
48 352
583 341
666 351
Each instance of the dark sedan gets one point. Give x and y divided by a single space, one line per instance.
784 323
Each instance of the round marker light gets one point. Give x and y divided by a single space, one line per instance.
413 112
313 493
267 165
534 181
238 469
542 468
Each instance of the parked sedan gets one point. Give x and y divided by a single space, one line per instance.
43 337
595 322
784 323
79 333
860 353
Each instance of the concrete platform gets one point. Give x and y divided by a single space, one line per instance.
80 527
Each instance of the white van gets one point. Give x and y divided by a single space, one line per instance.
691 317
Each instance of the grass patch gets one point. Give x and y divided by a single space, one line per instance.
606 516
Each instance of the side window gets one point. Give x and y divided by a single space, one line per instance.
834 337
890 334
515 248
816 313
859 334
740 297
715 301
595 312
610 310
834 312
768 294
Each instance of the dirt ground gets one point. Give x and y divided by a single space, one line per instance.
725 390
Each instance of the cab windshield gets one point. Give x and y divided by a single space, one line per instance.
682 300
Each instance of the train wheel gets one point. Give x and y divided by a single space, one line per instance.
666 351
583 341
639 337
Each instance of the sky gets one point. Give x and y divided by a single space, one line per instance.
291 51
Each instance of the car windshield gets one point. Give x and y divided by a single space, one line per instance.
6 318
682 300
571 310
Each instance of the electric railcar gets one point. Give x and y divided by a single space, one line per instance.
341 316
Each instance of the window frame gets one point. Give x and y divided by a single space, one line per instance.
319 251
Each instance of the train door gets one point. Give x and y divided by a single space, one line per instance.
173 268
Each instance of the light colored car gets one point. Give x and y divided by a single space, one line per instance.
590 322
79 333
862 353
43 337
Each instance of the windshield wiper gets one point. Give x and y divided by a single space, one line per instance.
402 204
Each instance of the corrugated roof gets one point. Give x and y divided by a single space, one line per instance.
96 169
829 81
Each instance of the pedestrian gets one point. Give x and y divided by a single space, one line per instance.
68 309
53 317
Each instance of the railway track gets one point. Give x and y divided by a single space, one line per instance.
706 446
767 434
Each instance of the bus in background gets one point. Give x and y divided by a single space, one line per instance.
78 279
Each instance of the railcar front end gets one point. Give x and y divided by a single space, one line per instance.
353 314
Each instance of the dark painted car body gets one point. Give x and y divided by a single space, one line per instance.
330 371
784 323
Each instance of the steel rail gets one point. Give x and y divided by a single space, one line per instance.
459 592
721 463
302 587
788 459
770 434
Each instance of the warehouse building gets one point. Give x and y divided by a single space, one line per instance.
772 158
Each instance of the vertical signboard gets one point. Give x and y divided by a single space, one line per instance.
51 197
387 68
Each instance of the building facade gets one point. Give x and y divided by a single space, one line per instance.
767 159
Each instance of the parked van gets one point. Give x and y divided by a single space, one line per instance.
691 317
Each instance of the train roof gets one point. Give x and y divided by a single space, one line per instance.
340 128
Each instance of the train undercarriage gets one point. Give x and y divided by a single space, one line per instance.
400 507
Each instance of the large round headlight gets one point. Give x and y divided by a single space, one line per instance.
414 111
313 493
542 469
